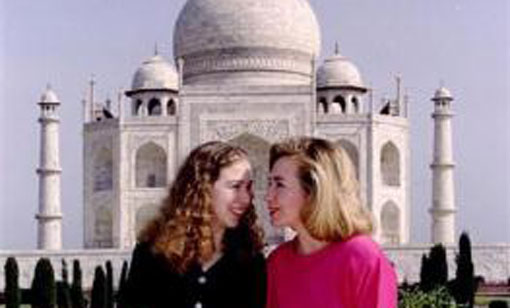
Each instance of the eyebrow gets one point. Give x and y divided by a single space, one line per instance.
275 178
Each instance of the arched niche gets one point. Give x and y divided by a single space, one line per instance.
338 105
103 170
322 105
137 107
171 107
103 227
154 107
355 104
151 166
390 164
390 223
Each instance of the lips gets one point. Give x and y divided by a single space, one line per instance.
238 212
273 212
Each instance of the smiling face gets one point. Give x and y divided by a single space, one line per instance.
285 197
232 194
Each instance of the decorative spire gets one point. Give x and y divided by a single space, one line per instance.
337 48
156 50
92 83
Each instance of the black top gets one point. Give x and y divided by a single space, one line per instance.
234 281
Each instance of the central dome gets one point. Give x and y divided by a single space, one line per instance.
248 41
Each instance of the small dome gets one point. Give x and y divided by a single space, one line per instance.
49 96
443 93
239 39
338 71
155 74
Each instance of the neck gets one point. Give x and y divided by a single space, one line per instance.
307 244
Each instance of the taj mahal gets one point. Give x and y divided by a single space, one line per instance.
246 72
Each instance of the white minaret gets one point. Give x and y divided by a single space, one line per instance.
49 234
443 194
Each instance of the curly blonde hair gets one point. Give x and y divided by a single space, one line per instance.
334 210
182 231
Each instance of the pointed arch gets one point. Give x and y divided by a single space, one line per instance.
171 107
322 106
151 166
355 104
103 227
143 215
390 223
352 152
137 107
103 170
390 164
154 107
338 105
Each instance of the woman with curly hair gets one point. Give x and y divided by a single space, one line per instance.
204 247
332 262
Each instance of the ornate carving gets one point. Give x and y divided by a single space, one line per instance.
270 130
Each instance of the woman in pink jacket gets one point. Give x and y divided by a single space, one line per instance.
332 262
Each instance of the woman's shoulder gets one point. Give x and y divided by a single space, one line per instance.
360 250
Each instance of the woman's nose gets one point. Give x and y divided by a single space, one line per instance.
268 196
245 195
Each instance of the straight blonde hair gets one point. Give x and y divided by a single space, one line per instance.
334 210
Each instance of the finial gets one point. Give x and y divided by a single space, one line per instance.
156 50
337 48
48 86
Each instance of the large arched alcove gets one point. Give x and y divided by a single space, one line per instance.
103 227
151 166
390 223
390 164
103 170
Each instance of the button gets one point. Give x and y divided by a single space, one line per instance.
198 305
202 280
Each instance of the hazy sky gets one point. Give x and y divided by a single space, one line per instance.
463 43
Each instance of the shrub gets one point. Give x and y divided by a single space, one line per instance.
12 291
77 299
98 299
43 289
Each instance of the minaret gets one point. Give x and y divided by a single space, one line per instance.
443 194
49 234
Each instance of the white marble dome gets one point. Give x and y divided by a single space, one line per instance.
443 93
338 71
246 39
155 74
49 96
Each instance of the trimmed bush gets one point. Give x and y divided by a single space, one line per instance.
121 294
109 285
77 299
43 291
464 289
63 289
98 299
12 291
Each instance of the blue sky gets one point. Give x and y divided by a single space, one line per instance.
464 44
